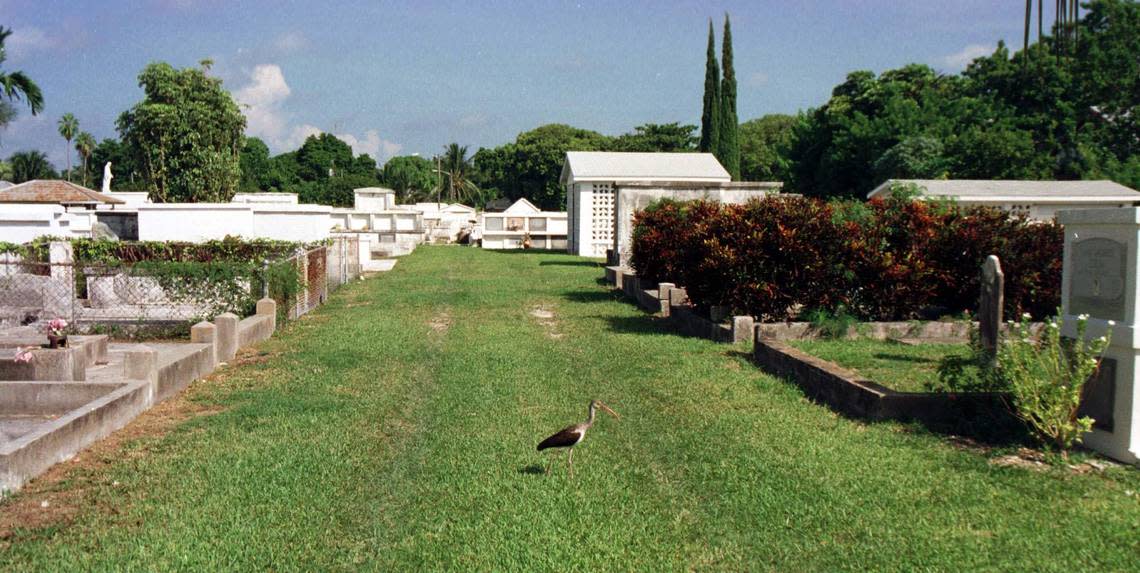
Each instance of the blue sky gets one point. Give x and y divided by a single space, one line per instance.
396 78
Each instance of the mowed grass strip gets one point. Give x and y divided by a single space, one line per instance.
901 367
395 430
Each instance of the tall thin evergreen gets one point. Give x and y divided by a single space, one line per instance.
729 139
710 115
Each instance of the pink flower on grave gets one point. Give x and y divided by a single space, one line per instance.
23 355
56 326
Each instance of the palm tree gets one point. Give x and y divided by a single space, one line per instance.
457 167
17 85
68 127
85 144
28 165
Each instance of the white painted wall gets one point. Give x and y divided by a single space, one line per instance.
497 234
305 223
194 221
20 223
373 199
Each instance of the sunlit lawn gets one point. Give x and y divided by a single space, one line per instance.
906 368
395 429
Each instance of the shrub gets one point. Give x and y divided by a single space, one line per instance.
1046 378
885 259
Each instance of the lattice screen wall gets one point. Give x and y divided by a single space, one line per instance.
602 219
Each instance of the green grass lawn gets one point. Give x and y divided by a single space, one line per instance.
394 429
897 366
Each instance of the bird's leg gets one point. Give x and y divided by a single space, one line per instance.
550 462
570 460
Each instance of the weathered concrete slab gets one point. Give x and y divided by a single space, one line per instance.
57 439
253 329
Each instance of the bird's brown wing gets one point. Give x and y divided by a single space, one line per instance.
565 437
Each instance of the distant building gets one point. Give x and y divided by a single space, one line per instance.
1040 200
522 220
51 207
590 179
57 192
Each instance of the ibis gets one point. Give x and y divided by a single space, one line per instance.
571 436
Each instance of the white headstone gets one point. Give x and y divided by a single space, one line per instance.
1102 252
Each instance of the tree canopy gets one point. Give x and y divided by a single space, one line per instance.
185 136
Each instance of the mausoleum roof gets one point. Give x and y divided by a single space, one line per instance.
54 191
582 166
1010 190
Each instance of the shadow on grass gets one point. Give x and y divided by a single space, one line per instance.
591 296
533 470
647 324
571 264
904 358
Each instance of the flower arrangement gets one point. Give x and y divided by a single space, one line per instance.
57 327
23 355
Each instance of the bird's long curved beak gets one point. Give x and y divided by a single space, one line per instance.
608 409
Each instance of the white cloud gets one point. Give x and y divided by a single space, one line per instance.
28 39
263 99
959 60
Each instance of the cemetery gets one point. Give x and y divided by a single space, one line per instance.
885 324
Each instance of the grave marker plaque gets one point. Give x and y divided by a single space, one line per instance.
1098 279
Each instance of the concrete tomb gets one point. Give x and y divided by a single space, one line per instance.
1101 279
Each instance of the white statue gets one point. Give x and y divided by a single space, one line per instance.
107 177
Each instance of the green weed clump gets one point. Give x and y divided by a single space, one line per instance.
1046 377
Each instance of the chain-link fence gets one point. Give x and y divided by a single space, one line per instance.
87 295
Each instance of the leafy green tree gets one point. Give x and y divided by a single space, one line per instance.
651 137
68 128
918 157
729 148
255 166
323 156
29 165
456 169
185 136
536 162
5 171
17 85
412 177
84 145
7 114
764 145
126 176
710 114
336 191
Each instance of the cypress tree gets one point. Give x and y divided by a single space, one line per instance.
710 115
729 124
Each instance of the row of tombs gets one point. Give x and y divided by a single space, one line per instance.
56 401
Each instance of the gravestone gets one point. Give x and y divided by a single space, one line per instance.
990 304
1100 281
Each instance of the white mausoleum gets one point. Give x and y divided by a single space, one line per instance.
1040 200
522 220
590 178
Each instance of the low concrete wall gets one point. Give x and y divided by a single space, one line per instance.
671 303
180 366
58 440
859 397
48 398
46 364
254 329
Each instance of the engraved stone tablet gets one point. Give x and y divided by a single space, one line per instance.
1096 279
